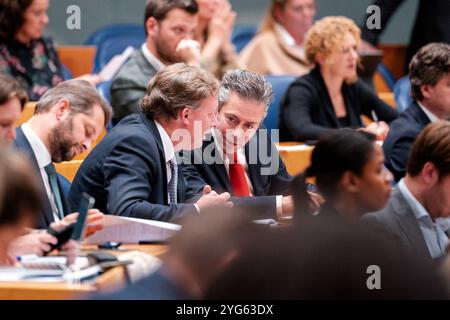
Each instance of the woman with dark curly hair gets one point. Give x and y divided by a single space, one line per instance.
24 53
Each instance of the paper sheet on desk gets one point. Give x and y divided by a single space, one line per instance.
132 230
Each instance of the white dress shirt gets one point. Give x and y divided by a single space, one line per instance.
430 115
158 65
43 158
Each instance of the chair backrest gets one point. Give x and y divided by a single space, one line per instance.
242 35
386 75
114 39
402 92
27 113
104 89
279 85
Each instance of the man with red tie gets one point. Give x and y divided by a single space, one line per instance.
238 156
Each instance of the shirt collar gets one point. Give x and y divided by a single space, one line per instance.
285 35
430 115
158 65
169 151
40 151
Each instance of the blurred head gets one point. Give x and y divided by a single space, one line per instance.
186 97
332 43
429 168
23 20
347 164
74 115
12 101
167 22
296 16
244 98
322 259
429 73
205 246
20 198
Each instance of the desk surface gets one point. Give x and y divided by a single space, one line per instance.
111 280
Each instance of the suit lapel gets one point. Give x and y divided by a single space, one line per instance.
218 166
22 144
409 224
150 124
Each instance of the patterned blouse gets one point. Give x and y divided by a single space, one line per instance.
35 66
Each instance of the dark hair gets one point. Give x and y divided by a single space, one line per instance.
9 89
432 145
428 65
12 17
19 188
159 9
175 87
335 153
81 94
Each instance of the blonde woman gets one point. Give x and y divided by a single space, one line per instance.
278 47
331 96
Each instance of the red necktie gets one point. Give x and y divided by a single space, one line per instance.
238 181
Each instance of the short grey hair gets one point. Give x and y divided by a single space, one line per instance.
248 85
82 97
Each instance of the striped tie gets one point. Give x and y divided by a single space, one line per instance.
173 181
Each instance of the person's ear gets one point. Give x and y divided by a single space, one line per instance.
429 174
320 58
426 90
185 115
62 108
151 25
350 182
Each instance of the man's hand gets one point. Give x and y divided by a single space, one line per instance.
210 198
93 221
190 52
287 207
36 242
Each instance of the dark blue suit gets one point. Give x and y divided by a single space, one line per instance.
46 217
126 174
266 187
402 133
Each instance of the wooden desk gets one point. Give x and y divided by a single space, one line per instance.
111 280
296 156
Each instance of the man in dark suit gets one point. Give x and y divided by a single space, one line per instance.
432 24
238 157
67 120
133 172
167 25
430 75
417 215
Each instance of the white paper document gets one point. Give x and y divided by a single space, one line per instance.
132 230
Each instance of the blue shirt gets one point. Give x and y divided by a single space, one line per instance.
433 231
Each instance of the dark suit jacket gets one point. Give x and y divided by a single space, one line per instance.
154 287
130 85
307 111
126 174
397 220
266 186
46 217
402 134
432 24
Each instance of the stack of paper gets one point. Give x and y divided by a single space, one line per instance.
132 230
